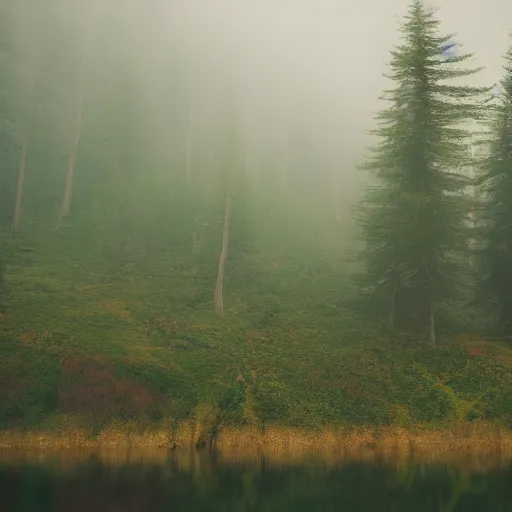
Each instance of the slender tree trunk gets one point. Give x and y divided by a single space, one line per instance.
68 191
117 184
432 325
218 297
16 221
189 143
21 183
391 319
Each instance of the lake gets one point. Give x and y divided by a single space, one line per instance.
162 480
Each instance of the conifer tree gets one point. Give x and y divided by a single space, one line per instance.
412 220
495 269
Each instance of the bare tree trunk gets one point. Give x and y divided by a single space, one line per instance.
218 297
68 191
21 183
391 319
432 325
16 221
85 57
189 143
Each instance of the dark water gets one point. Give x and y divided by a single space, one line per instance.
174 482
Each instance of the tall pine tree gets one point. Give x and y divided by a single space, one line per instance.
412 220
495 269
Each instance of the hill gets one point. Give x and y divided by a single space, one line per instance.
90 336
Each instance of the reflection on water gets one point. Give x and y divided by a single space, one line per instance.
198 481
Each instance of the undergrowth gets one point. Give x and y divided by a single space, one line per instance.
133 336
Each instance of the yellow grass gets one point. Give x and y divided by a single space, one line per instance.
477 445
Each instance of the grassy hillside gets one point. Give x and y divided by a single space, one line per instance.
90 335
112 316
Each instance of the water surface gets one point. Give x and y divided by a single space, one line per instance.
199 481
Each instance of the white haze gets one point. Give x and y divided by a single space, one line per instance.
309 68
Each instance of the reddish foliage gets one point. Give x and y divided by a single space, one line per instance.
352 391
91 386
255 336
474 346
477 351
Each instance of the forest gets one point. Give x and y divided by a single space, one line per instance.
170 249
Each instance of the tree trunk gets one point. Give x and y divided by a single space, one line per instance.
21 182
16 221
391 318
68 192
85 57
432 325
218 297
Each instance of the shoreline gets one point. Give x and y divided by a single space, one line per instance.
474 445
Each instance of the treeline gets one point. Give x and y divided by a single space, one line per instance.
102 133
87 144
437 224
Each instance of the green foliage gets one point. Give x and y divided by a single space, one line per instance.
273 401
231 404
412 222
498 405
30 385
177 387
425 398
495 252
111 316
2 285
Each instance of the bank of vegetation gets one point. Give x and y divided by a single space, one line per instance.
194 287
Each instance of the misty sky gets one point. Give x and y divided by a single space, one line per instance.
329 54
320 62
311 67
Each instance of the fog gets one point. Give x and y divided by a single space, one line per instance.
280 70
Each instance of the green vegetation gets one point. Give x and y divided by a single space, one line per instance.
143 343
413 222
494 255
153 275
